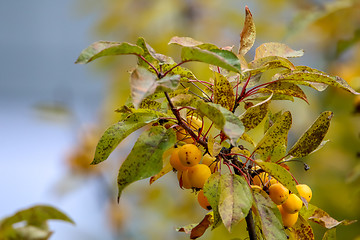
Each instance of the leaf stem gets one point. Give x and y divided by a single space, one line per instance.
152 66
177 65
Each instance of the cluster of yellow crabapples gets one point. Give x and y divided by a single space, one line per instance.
193 170
288 203
192 175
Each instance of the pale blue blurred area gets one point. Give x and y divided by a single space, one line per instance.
39 42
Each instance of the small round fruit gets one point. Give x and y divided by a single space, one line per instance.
175 161
204 203
278 193
189 155
198 175
293 204
210 162
304 191
183 178
289 219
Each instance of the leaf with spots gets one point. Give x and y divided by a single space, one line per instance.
274 142
212 193
104 48
248 33
184 73
321 217
268 215
120 130
307 76
218 57
280 174
271 62
223 119
312 138
284 88
143 83
166 166
145 158
223 92
255 114
302 230
276 49
235 199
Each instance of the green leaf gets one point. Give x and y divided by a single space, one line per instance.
223 92
35 216
217 57
269 216
274 142
302 230
120 130
284 88
255 114
143 83
312 138
223 119
276 49
306 75
248 33
145 159
330 234
148 54
235 199
280 174
104 48
212 193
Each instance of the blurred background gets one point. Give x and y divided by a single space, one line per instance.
52 112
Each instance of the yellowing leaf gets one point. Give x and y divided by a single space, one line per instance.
248 34
274 142
284 88
255 114
276 49
312 138
223 92
302 230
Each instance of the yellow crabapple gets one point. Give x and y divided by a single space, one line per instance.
203 201
293 204
278 193
189 155
288 219
198 175
304 191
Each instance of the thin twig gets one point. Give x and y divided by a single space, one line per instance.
181 122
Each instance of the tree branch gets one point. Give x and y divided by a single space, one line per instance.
182 124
